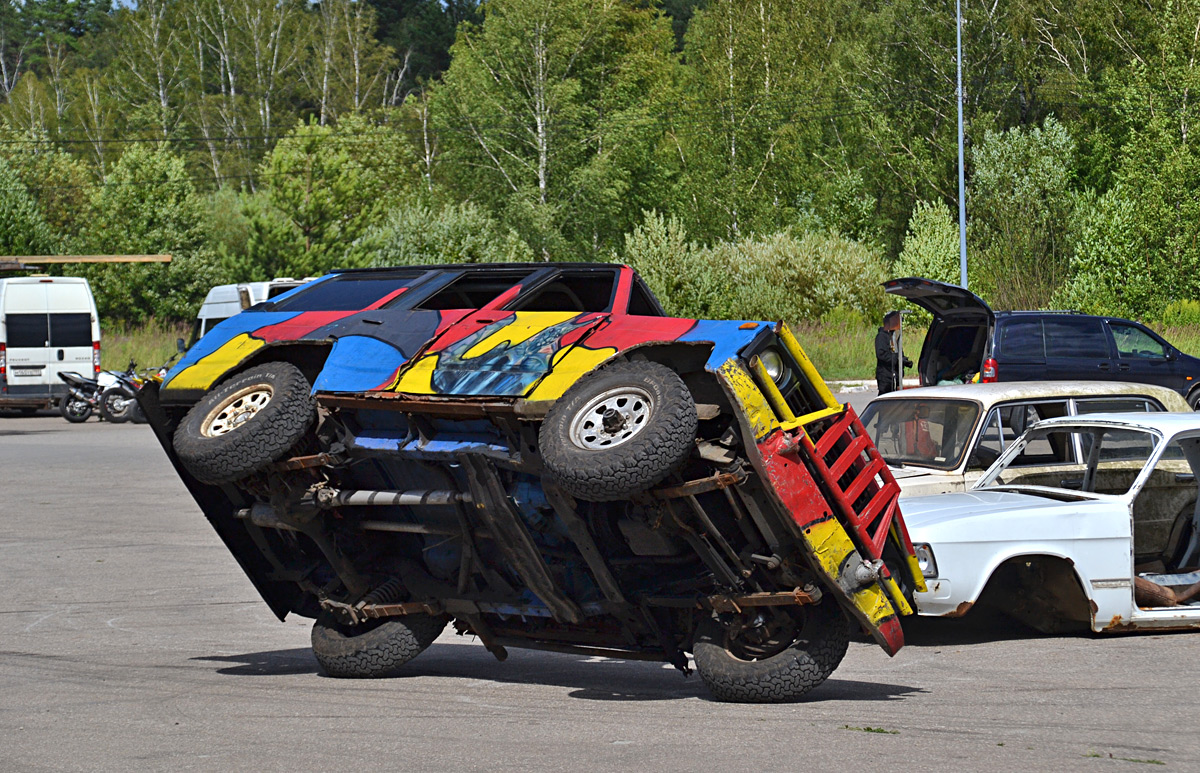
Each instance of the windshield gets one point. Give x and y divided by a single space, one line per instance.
1095 459
922 432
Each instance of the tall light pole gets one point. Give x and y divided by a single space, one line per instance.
962 184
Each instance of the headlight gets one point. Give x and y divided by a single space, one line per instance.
772 360
925 559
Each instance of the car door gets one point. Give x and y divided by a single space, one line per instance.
1077 347
1037 465
1143 357
1020 351
27 334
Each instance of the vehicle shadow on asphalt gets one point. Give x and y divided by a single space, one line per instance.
977 627
587 678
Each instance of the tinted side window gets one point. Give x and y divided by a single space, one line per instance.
642 303
348 292
70 330
1134 343
1116 405
1021 339
473 289
27 330
1075 337
590 292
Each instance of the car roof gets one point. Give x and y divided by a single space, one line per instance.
1166 423
536 266
990 394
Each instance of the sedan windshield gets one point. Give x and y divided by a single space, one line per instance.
1088 459
921 432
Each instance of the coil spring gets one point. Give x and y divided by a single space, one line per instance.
387 593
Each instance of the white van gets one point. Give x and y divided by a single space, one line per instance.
223 301
48 324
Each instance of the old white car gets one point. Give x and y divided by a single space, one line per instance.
941 439
1105 535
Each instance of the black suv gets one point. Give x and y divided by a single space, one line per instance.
967 337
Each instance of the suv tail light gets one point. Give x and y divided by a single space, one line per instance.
96 357
3 362
990 374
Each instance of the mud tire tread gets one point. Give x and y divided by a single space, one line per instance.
781 678
635 466
376 653
263 439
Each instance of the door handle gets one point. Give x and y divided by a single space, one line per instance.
60 355
1123 366
1076 485
1104 366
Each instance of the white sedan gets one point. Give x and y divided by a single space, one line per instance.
941 439
1105 535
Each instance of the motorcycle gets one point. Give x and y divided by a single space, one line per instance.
118 403
83 395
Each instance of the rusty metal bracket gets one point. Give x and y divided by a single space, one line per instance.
691 488
809 594
375 611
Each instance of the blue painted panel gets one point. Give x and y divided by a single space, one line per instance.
245 322
727 336
358 364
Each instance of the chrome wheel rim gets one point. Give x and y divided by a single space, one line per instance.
236 410
612 418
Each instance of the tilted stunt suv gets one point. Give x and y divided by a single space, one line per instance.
537 454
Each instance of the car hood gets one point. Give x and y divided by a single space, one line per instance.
922 512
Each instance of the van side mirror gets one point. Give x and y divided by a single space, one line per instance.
179 347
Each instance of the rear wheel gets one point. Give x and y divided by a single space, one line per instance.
372 650
246 423
771 655
75 410
117 404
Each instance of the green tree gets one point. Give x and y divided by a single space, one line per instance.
23 230
461 233
543 117
931 247
1020 207
148 205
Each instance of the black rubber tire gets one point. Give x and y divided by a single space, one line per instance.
262 439
605 475
379 650
1193 399
785 676
109 412
74 411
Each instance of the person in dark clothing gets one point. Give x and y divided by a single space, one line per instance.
887 358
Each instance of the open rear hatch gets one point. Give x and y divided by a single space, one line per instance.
957 339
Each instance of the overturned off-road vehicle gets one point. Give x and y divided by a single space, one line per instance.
539 456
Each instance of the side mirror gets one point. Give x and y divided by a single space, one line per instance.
179 347
1172 354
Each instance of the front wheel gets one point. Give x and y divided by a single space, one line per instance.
1193 399
771 655
375 649
75 410
117 404
619 430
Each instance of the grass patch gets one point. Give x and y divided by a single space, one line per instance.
149 344
882 730
844 351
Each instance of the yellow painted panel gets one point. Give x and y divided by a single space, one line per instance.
213 366
418 379
831 545
526 325
793 346
754 403
568 367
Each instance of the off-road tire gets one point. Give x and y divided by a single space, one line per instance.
71 415
785 676
260 440
111 414
379 650
604 475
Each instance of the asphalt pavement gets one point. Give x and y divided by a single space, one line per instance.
130 640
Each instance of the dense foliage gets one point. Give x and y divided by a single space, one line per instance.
754 158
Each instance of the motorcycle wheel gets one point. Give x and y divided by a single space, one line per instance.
117 404
75 410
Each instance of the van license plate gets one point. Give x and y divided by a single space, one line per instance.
27 371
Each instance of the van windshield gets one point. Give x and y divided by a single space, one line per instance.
931 433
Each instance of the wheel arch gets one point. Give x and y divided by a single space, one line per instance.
308 356
1043 589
